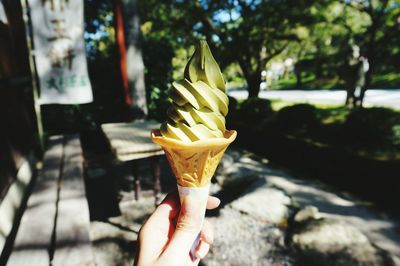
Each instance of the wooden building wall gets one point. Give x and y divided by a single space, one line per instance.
17 119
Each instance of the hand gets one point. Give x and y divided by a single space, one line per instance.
168 235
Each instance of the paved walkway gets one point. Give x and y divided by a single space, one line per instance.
381 97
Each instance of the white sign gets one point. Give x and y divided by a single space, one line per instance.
59 50
3 16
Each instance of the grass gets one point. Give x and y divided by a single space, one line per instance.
310 82
330 113
279 104
236 84
387 81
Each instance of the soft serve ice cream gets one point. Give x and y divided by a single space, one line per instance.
194 137
200 103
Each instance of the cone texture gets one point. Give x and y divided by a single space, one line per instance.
194 163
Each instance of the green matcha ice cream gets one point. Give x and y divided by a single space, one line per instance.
200 103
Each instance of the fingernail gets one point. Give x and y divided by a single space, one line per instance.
202 251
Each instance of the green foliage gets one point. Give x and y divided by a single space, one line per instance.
234 114
372 132
254 111
233 104
157 57
386 80
373 128
298 117
246 35
64 119
369 25
99 29
158 103
233 76
163 37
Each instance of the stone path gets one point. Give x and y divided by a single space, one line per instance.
380 229
258 200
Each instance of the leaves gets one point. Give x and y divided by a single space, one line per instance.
252 33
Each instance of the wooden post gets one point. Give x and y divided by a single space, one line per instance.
156 179
32 67
120 36
136 176
134 59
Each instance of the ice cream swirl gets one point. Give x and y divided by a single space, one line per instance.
200 103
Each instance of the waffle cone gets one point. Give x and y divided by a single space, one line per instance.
194 163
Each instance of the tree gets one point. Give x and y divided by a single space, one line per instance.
135 66
250 33
381 27
160 37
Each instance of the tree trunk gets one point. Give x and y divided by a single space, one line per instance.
253 78
299 81
253 83
135 66
350 97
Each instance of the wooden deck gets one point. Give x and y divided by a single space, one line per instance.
54 229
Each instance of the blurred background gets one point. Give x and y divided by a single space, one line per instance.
314 87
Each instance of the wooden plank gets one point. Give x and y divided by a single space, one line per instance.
72 243
15 196
131 141
34 236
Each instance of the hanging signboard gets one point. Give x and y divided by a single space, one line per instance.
3 17
59 50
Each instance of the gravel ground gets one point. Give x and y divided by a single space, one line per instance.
249 241
241 239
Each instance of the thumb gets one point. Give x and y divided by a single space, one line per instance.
188 225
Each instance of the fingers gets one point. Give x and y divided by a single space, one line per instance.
202 250
188 225
169 207
206 239
164 213
207 233
213 202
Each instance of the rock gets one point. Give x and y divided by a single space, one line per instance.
214 188
308 212
231 174
324 241
238 179
263 202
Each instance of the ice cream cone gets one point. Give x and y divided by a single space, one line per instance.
194 136
194 163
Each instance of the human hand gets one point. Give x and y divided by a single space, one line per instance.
168 235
